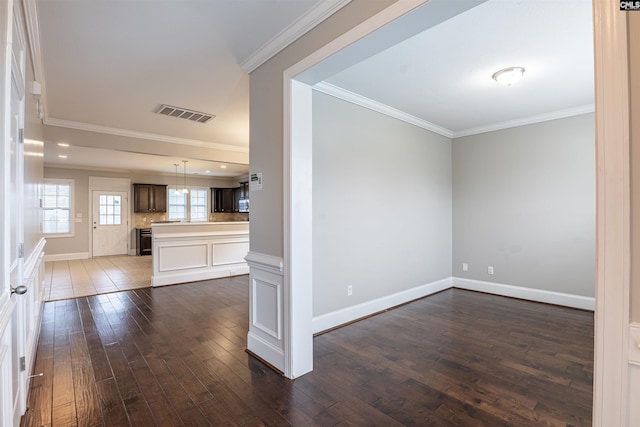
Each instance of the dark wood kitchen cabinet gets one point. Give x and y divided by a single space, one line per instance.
149 198
223 200
242 197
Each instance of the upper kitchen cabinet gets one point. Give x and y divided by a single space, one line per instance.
242 197
230 199
149 198
223 200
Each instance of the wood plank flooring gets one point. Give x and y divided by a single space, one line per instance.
174 356
93 276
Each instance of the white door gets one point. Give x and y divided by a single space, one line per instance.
16 252
13 309
110 223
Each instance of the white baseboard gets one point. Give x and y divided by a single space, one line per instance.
265 350
194 276
349 314
66 257
538 295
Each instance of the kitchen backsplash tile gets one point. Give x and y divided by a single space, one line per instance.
144 220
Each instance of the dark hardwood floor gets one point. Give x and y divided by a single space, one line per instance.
174 356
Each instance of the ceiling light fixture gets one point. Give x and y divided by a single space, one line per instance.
62 156
176 192
62 144
508 76
223 166
185 190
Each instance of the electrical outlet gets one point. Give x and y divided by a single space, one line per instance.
490 269
465 267
349 290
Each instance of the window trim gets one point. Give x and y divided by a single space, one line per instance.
72 199
207 199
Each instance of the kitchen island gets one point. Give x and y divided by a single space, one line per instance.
190 251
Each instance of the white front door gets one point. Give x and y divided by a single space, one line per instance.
110 223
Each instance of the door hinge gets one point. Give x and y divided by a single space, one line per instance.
20 250
21 136
23 364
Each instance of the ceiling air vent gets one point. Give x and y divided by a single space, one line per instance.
183 113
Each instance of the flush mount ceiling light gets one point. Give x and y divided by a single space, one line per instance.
508 76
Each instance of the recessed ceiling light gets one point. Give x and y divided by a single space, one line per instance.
223 166
508 76
62 144
207 171
62 156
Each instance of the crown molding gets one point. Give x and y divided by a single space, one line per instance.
141 135
379 107
560 114
293 32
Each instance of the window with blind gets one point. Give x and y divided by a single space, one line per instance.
57 207
192 206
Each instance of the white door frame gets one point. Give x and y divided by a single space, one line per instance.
13 309
611 386
611 397
97 183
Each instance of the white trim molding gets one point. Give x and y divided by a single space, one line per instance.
539 118
530 294
66 257
31 262
69 124
354 98
269 263
266 308
293 32
612 391
340 317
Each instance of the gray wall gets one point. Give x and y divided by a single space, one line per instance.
524 202
79 243
381 205
266 125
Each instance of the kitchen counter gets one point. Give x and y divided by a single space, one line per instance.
191 251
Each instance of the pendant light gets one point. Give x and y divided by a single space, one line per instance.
176 192
185 190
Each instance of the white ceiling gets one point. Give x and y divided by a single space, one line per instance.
443 75
105 65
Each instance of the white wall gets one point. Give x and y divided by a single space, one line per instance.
524 203
381 205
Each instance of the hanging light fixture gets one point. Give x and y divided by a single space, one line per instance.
508 76
185 190
176 192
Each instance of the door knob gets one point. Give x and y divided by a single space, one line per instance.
20 290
